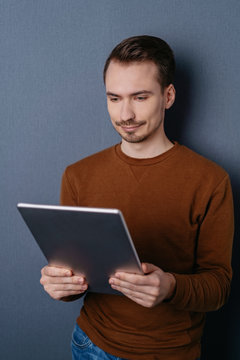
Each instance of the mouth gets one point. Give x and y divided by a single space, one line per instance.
131 127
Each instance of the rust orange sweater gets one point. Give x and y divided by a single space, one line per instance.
178 207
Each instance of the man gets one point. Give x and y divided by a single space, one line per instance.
178 207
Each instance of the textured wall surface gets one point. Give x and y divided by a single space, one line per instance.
53 112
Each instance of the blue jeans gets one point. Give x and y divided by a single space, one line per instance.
84 349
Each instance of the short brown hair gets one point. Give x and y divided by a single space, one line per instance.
145 48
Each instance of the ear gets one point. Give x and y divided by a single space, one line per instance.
170 94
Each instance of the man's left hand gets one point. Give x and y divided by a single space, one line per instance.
147 290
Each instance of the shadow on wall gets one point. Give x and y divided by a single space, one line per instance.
220 340
178 115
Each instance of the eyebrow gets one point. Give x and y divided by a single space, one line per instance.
133 94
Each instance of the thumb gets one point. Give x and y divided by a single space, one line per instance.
148 268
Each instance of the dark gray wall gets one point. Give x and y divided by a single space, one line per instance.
52 113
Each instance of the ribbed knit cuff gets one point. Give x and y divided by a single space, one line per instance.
181 290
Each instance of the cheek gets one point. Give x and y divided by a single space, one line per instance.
152 112
113 113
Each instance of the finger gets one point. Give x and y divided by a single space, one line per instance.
137 296
131 278
74 279
62 280
148 280
65 287
139 291
58 295
148 268
56 271
141 301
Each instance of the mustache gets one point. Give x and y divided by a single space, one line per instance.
130 122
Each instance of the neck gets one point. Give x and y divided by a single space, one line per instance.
148 148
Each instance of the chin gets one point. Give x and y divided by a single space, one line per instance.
134 139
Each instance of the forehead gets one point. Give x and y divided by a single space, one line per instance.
132 76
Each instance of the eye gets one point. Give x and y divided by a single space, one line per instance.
141 98
114 99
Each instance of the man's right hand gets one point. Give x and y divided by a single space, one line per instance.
60 283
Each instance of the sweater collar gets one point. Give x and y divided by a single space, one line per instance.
146 161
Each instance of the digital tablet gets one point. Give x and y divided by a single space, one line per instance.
94 242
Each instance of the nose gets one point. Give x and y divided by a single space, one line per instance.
127 112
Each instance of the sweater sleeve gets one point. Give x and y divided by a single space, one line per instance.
208 288
68 198
67 195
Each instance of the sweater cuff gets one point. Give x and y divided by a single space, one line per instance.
180 291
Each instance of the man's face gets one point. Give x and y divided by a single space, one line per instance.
135 99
